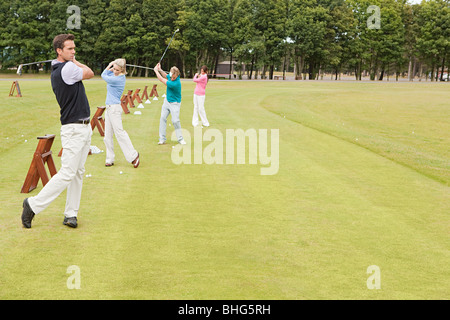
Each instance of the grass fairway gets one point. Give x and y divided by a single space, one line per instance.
363 180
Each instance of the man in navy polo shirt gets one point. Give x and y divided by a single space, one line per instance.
66 78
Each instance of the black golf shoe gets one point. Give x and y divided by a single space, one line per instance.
27 214
70 222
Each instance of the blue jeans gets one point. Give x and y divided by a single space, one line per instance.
172 108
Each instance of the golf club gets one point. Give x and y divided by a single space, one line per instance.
132 65
168 45
19 69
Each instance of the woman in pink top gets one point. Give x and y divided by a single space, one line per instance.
199 97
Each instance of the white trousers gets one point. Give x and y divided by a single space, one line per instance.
76 141
199 109
113 126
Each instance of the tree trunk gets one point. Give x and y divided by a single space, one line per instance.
231 64
251 69
448 72
419 74
311 70
216 63
359 71
299 67
380 78
410 69
256 66
432 72
442 69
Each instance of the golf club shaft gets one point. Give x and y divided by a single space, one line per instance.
168 45
19 69
132 65
27 64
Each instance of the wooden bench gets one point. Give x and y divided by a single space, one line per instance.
136 96
154 92
129 98
124 103
15 86
42 155
98 122
144 94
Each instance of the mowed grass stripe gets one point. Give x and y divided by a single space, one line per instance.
398 121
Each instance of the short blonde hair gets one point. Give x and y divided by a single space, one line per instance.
175 72
122 64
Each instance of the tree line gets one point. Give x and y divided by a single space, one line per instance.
307 37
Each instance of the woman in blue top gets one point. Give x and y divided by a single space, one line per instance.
114 75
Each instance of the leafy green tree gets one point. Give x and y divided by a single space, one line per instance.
308 30
5 17
22 38
159 23
392 39
411 33
231 41
270 22
433 42
262 34
205 28
250 46
112 41
342 24
93 13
